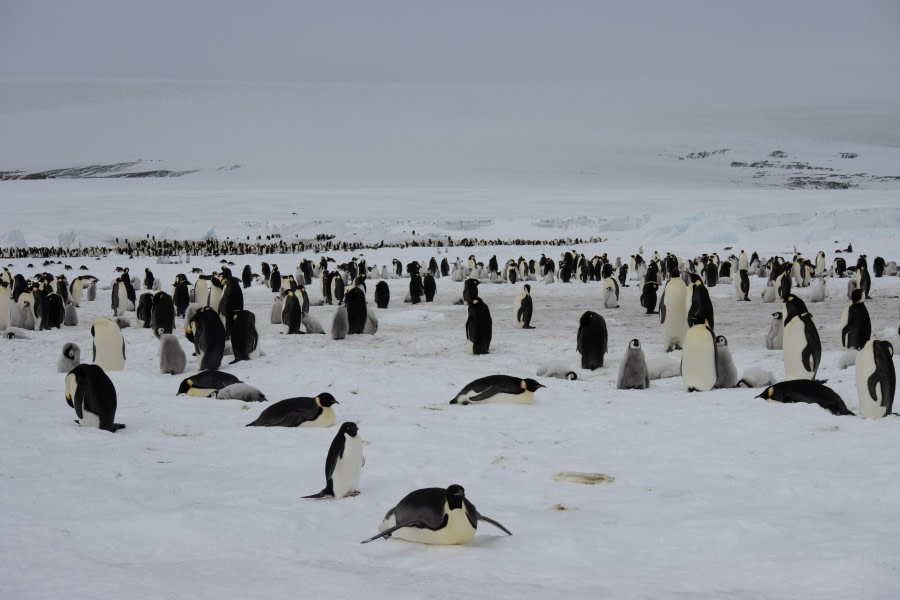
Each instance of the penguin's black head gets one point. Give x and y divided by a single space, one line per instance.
455 495
635 343
350 428
721 340
326 399
571 376
527 288
698 320
777 315
531 385
184 387
768 393
856 296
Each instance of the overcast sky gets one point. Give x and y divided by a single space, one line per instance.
449 40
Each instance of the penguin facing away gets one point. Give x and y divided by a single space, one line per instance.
498 388
343 464
433 516
300 411
633 373
809 391
876 379
109 344
91 392
592 340
479 326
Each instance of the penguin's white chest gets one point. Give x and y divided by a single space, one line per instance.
89 419
525 397
869 407
793 344
325 419
458 529
345 478
698 367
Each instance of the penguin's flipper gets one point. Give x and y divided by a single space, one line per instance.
494 523
323 494
387 532
491 391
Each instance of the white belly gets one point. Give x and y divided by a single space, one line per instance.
698 367
122 294
345 478
326 419
865 367
89 419
793 344
525 397
675 328
5 308
457 531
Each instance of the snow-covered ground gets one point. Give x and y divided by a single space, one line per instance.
715 495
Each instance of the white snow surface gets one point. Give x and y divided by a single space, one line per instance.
715 495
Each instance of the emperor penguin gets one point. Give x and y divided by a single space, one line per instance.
863 280
172 359
244 337
876 379
522 308
498 388
337 288
775 337
470 290
433 516
610 292
181 295
206 384
674 325
109 344
479 326
355 303
806 391
71 316
209 338
802 347
817 290
216 290
838 266
298 412
291 315
429 286
699 361
69 358
343 464
742 285
856 327
769 293
592 340
119 297
743 263
275 314
201 290
91 293
726 372
162 313
700 302
143 311
633 373
340 326
820 264
416 289
382 294
91 392
5 305
648 297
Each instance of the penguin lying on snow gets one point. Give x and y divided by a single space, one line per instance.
206 383
434 516
240 391
293 412
343 464
755 377
558 370
498 388
806 390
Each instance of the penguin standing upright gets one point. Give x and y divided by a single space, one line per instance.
201 290
119 297
433 516
275 313
162 313
700 302
817 290
592 340
244 338
633 373
863 280
355 301
856 326
291 315
340 326
144 310
698 363
671 313
479 326
802 348
648 297
610 293
91 392
742 285
343 464
726 372
416 289
71 317
109 344
382 294
172 359
246 276
181 295
522 308
876 379
209 338
429 286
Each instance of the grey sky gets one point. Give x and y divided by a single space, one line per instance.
423 40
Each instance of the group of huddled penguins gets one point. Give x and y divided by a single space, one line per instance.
215 320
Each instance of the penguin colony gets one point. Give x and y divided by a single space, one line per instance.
213 316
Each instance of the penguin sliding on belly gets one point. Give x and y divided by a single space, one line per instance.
807 391
498 388
343 464
434 516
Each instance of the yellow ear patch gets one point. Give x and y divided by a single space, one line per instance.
523 384
770 391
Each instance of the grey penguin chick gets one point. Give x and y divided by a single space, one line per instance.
633 373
